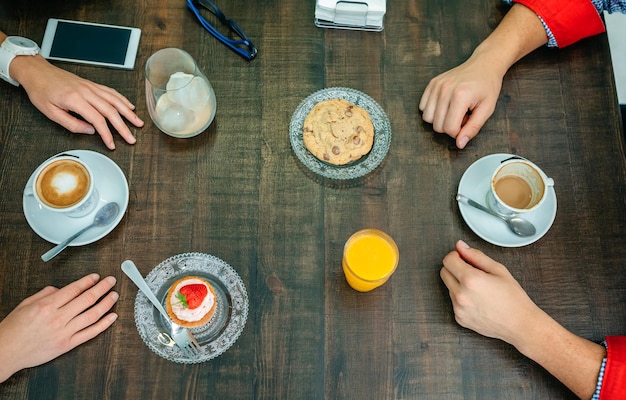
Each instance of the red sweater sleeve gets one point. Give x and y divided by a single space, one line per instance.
569 20
614 380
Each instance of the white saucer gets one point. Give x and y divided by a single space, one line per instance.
54 227
475 185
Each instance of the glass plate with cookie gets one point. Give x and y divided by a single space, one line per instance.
226 322
340 133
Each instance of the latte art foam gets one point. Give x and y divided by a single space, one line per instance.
63 183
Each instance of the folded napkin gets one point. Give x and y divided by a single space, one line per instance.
364 15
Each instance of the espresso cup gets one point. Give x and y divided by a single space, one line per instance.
64 184
517 186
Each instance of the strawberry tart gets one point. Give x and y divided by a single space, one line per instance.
191 301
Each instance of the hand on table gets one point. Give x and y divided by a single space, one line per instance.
487 299
459 101
54 321
56 93
485 296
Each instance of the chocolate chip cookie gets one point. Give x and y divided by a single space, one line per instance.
338 132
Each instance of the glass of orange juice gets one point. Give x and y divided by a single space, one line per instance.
370 257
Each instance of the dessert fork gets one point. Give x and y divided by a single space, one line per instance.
181 336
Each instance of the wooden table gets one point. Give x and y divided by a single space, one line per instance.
238 192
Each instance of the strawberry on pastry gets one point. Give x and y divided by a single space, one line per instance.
191 295
191 301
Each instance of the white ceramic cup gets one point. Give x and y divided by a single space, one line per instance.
517 186
64 184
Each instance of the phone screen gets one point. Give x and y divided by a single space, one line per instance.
90 43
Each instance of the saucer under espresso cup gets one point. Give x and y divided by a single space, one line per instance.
475 184
55 227
64 184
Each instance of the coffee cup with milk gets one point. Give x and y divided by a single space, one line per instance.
64 184
517 186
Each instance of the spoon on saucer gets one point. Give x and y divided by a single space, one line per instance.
103 217
517 225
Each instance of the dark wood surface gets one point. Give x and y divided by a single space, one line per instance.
238 192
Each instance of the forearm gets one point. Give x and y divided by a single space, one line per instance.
573 360
519 33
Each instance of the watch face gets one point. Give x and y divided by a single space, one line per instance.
22 43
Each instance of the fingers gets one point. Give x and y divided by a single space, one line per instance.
479 260
111 104
96 111
473 123
434 104
465 260
93 314
68 293
63 92
93 330
447 110
454 267
427 112
95 119
449 280
68 121
123 106
89 297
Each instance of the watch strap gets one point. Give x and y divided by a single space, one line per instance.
5 60
8 51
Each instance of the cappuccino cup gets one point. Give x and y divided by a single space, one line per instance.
64 184
517 186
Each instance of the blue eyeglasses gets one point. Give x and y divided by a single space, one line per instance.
242 46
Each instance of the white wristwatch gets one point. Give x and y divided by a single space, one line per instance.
11 47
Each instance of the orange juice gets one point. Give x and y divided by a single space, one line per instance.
370 257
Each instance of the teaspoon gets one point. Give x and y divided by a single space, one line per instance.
518 225
103 217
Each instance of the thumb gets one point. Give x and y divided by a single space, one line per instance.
472 125
479 260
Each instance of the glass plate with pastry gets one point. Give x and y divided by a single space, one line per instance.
200 292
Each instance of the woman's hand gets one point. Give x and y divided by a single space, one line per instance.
58 93
54 321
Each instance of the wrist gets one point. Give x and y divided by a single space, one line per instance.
9 361
492 59
536 332
22 68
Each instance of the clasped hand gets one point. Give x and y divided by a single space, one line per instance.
459 101
485 296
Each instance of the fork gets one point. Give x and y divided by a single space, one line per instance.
181 336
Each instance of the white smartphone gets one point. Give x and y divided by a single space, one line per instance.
90 43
